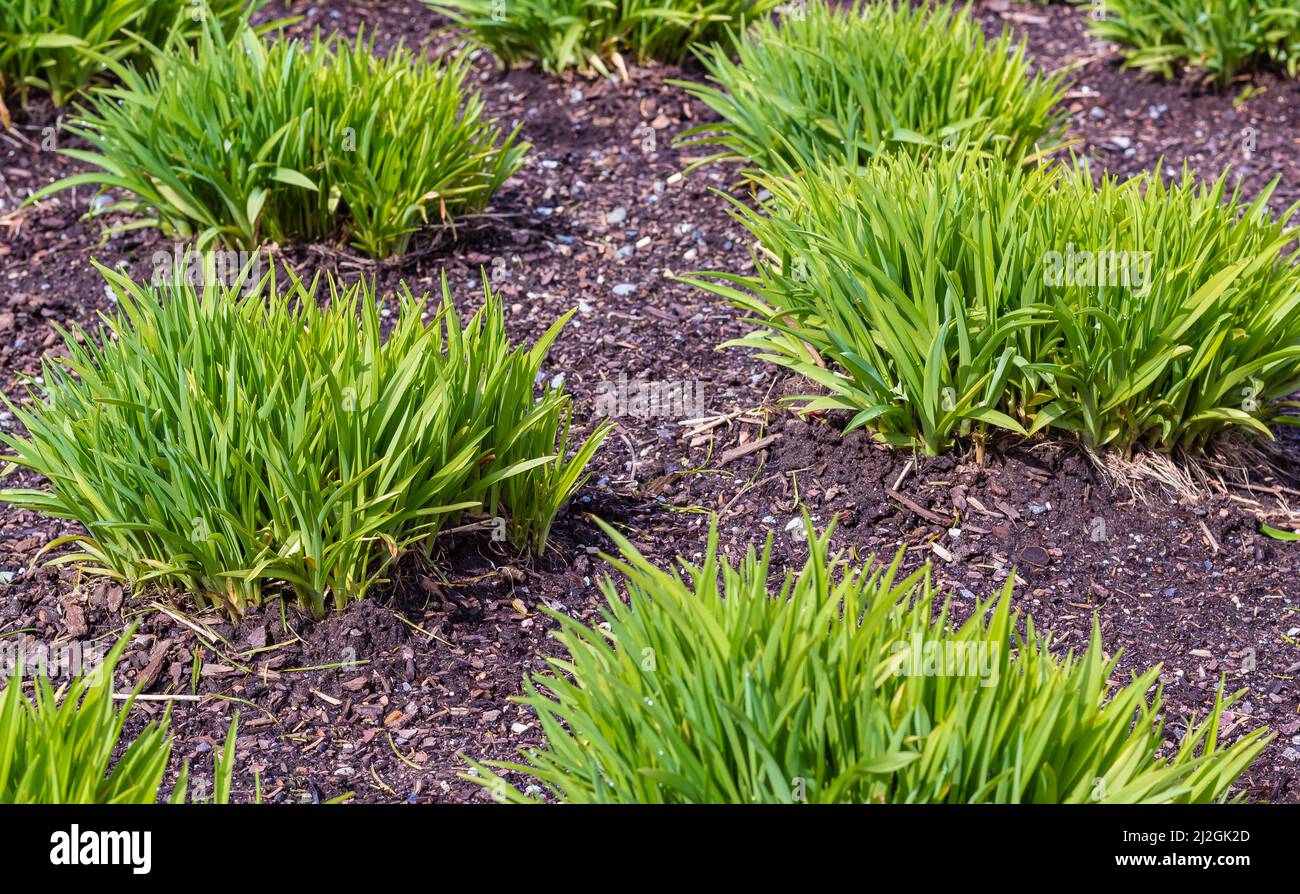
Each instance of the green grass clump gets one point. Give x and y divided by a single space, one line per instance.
60 46
244 142
944 300
848 686
58 747
1221 37
561 34
848 84
230 445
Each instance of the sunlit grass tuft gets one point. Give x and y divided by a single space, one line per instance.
848 84
947 298
726 683
246 142
232 445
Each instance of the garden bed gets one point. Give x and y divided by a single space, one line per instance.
597 221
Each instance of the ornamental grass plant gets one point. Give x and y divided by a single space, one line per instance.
1222 38
847 84
244 142
585 34
234 445
60 47
951 298
57 746
725 682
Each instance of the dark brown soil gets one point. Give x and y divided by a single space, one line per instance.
380 701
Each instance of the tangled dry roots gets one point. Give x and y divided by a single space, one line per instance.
1256 474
